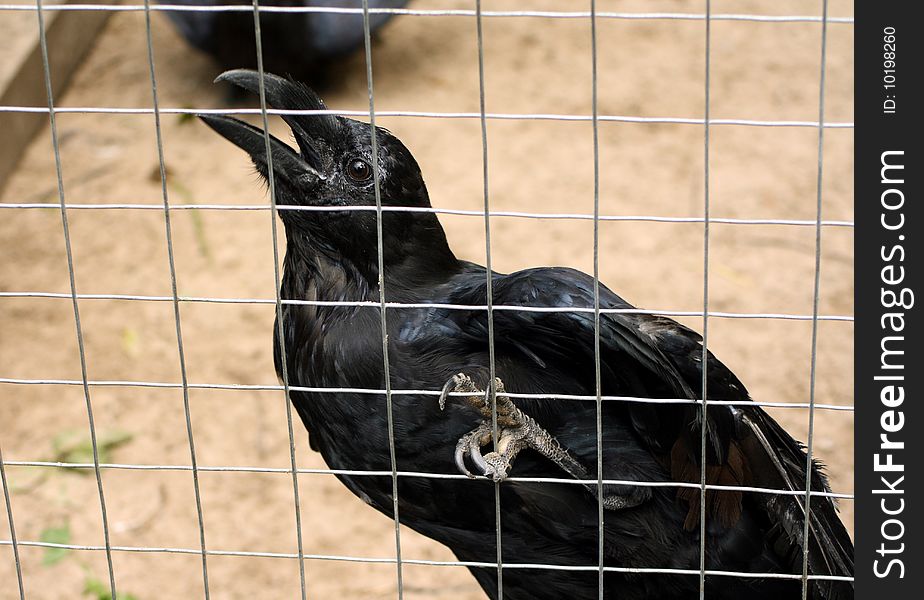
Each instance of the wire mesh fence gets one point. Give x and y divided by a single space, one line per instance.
706 314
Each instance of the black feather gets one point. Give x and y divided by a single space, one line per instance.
331 258
304 44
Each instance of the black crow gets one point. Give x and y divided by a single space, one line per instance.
303 44
331 256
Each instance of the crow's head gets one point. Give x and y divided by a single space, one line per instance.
332 174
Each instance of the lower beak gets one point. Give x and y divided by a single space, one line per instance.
284 161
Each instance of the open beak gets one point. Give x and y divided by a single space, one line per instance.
309 129
286 163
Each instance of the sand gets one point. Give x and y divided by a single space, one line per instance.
647 68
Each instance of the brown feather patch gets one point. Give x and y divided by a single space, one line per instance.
722 505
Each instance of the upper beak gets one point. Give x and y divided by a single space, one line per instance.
308 129
286 163
283 94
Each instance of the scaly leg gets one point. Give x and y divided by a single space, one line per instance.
515 431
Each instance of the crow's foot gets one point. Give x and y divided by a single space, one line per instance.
515 431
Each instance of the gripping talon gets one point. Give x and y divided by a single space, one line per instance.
444 393
497 467
516 430
460 460
477 457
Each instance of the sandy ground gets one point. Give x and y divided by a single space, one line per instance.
647 68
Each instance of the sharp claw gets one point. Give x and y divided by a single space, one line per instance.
477 458
460 460
454 384
444 393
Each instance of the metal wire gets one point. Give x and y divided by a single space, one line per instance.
429 114
49 90
816 293
283 363
435 563
704 359
181 353
9 516
598 379
443 12
383 306
490 390
422 475
340 390
427 305
444 211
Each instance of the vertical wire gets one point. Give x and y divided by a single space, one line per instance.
704 424
46 68
389 404
279 316
9 516
176 302
489 291
816 292
598 385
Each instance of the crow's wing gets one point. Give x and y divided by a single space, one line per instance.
650 356
641 355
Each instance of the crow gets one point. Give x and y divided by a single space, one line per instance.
305 45
544 354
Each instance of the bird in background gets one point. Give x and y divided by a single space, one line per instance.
544 348
305 45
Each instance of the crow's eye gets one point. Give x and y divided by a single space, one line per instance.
359 170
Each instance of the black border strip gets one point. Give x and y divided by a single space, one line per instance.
888 273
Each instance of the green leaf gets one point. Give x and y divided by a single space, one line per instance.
96 588
186 117
76 447
55 535
130 341
100 591
25 479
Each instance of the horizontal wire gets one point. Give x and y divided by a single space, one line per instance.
422 114
422 475
371 391
434 210
428 305
424 562
438 12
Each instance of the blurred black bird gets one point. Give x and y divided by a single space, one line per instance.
331 255
304 45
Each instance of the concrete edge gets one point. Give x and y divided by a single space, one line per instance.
70 35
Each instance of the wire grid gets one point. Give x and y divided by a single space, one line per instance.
177 301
